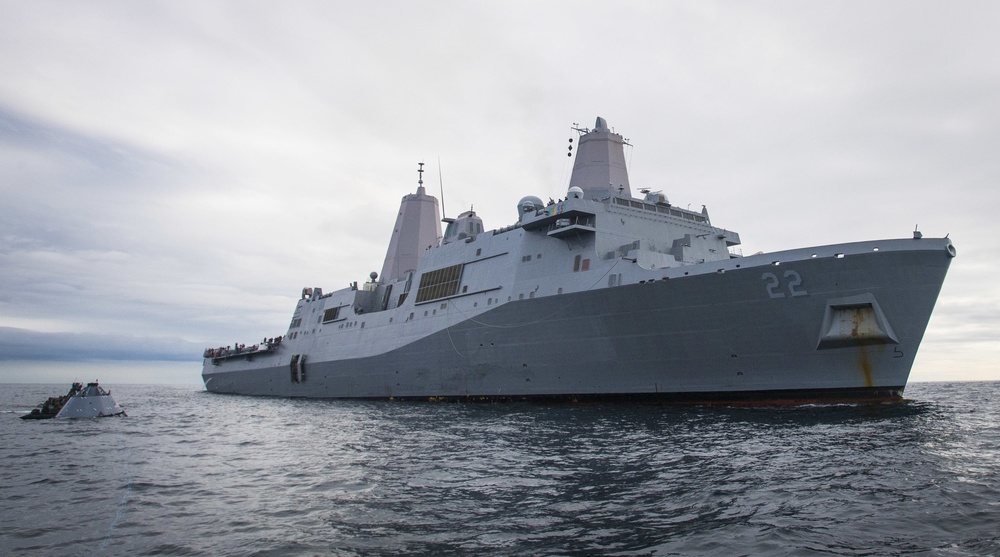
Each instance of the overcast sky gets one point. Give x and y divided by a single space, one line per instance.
173 173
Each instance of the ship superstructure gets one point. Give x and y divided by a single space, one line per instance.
601 295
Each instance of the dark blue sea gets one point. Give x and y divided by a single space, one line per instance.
193 473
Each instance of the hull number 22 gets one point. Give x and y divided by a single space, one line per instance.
792 281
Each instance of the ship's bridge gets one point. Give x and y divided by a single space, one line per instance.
561 219
466 225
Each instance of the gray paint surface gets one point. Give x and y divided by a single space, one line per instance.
611 296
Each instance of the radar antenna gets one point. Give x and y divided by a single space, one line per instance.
444 215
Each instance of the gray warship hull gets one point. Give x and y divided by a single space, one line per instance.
599 296
840 322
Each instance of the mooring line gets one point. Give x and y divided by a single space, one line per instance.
539 320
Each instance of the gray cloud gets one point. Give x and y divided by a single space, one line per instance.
22 344
182 170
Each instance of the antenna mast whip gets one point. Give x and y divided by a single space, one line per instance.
441 181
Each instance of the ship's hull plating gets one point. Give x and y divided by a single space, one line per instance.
750 332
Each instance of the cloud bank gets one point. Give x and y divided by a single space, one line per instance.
176 170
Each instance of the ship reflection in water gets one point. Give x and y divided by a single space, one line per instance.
349 477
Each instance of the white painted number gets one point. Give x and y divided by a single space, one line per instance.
772 285
794 284
793 281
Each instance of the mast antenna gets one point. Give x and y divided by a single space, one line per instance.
441 181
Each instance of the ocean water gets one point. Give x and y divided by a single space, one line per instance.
193 473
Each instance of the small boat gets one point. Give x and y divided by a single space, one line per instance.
91 402
51 407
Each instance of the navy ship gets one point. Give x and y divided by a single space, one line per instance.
601 295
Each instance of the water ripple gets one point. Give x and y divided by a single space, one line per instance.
298 477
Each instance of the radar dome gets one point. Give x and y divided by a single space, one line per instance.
574 193
528 204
